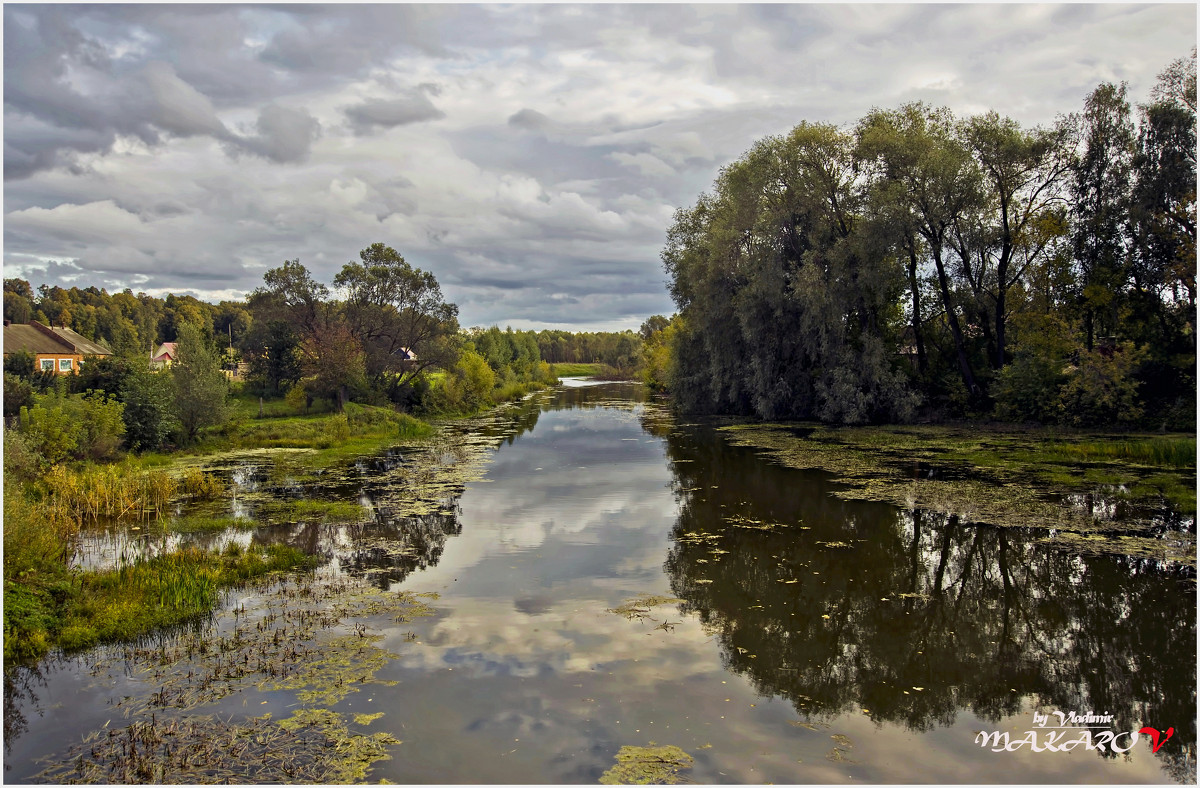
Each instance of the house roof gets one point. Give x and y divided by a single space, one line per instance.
84 346
37 338
22 336
165 351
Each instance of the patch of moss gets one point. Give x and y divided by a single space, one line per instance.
652 765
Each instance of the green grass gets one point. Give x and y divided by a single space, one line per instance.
1173 451
356 431
75 612
307 509
246 406
576 370
195 523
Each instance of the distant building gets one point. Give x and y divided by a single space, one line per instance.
60 350
164 357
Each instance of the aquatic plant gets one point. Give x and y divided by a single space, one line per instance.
651 765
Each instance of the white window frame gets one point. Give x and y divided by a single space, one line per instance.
66 365
47 364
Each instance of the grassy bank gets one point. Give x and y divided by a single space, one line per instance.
1095 491
576 370
55 608
47 606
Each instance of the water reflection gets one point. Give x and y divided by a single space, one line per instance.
562 507
840 606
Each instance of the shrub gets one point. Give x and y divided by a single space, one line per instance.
200 485
1028 388
1101 388
18 393
297 398
149 410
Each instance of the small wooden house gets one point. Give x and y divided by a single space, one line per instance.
60 350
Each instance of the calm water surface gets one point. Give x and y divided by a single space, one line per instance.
809 640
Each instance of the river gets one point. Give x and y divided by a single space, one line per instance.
609 576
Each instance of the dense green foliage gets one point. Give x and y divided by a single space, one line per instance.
920 262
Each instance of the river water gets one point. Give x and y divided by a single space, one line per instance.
613 576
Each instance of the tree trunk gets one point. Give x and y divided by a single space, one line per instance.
922 362
964 366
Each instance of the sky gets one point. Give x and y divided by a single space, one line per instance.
531 156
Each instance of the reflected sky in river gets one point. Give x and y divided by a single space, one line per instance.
810 640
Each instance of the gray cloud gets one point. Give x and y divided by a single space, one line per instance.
283 135
530 120
191 147
375 114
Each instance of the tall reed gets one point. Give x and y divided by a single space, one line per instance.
117 491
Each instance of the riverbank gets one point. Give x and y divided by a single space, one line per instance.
1091 492
48 606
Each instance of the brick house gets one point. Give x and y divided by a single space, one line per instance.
59 349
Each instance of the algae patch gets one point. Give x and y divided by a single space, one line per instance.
652 765
308 638
313 747
1142 504
639 607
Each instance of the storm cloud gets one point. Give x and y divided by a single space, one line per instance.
531 156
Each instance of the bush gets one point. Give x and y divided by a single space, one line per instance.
149 410
60 426
18 393
1028 388
297 398
22 463
200 485
470 384
1101 388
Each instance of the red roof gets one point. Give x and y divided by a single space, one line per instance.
166 352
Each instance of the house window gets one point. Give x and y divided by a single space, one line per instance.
64 365
47 365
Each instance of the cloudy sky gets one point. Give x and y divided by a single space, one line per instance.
531 156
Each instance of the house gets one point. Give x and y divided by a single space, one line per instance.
164 357
58 349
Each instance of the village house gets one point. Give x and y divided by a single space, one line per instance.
164 357
60 350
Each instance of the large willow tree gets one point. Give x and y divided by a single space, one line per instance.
787 296
1027 273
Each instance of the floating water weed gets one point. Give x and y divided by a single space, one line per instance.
652 765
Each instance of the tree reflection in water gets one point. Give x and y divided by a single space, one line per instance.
910 616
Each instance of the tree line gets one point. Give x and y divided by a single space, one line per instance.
380 334
919 263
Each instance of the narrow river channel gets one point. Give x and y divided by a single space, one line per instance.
609 576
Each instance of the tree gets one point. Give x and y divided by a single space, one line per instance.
334 361
1100 199
149 414
397 312
201 389
924 173
785 306
1024 173
270 346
